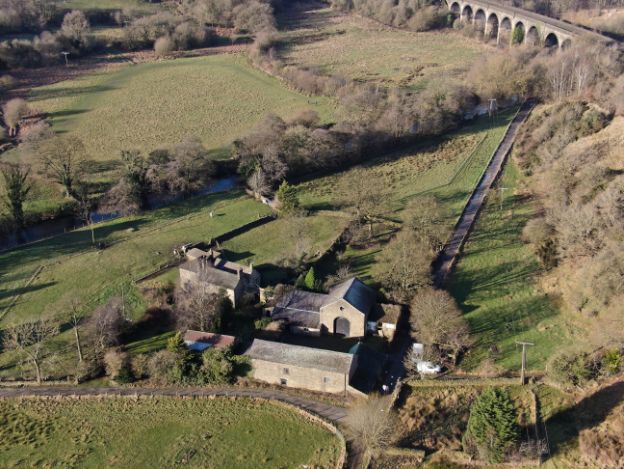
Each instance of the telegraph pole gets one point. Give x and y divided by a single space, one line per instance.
524 346
501 191
66 59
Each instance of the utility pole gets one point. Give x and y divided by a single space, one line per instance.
501 191
66 59
524 346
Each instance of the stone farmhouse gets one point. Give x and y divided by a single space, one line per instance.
302 367
344 310
209 270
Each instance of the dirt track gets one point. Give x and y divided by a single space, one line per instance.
448 257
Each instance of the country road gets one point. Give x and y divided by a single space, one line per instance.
328 412
447 258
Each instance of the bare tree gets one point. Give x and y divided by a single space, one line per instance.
407 264
364 195
370 424
258 183
17 185
199 308
63 159
14 111
30 339
427 217
106 325
437 321
75 321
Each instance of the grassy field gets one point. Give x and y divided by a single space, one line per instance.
494 285
269 246
108 5
160 432
73 270
447 169
154 105
341 44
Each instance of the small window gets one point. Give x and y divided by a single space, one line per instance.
283 381
342 308
326 380
285 371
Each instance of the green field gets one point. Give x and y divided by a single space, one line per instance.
342 44
271 246
447 169
109 5
160 432
494 283
74 270
154 105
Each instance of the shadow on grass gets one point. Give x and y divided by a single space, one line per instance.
10 293
565 426
53 93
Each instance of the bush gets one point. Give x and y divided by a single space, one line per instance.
568 369
492 427
612 362
163 367
163 46
117 365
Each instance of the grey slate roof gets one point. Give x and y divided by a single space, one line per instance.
356 293
212 275
300 308
296 355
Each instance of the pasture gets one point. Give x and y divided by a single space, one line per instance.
73 270
447 169
136 5
494 284
124 432
154 105
343 44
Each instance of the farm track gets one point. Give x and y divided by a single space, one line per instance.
448 257
325 411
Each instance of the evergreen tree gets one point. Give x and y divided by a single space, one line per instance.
310 282
492 426
287 198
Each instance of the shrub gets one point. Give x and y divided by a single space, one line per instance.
139 364
163 46
492 427
612 361
217 366
163 367
568 369
14 111
117 365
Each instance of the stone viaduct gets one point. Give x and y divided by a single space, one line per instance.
515 25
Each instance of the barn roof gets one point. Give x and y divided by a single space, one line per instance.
297 355
356 293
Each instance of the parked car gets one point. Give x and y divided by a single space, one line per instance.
427 368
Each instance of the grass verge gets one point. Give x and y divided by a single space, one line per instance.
494 283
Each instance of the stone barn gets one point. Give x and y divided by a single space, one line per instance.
342 311
302 367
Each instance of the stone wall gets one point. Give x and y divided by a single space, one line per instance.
299 377
341 308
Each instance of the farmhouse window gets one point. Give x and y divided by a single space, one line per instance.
285 371
283 381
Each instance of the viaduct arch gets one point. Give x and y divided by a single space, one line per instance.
509 24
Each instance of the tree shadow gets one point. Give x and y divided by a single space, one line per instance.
9 294
567 424
54 93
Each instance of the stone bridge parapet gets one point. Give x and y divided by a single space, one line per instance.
515 25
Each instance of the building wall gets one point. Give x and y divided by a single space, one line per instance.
299 377
341 308
190 277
